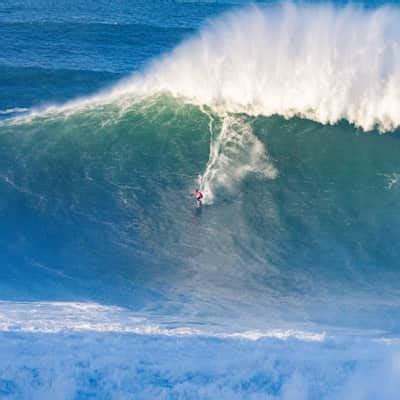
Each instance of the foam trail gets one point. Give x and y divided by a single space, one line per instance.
234 152
13 110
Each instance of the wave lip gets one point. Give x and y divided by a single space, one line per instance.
320 62
13 110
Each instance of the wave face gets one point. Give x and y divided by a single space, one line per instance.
296 214
286 278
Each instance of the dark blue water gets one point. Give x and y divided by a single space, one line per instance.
56 51
284 285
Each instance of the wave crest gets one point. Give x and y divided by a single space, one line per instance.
319 62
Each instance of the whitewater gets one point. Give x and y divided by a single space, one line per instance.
284 285
324 63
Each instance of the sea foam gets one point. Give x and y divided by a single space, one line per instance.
60 350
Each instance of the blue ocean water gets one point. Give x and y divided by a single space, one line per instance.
284 285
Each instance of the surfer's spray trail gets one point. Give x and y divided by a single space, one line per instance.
234 152
287 280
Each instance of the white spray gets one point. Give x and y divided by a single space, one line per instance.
234 152
319 62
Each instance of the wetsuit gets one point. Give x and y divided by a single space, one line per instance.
199 196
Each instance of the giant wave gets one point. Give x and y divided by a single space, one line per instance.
291 265
321 62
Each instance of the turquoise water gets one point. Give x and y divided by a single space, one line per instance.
284 285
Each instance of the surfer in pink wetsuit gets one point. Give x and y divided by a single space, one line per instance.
199 196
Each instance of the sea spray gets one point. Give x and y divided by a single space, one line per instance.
320 62
234 152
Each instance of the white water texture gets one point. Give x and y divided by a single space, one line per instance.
319 62
62 317
85 350
234 152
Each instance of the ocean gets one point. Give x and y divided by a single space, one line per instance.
284 284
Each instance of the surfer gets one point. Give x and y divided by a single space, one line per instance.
198 195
